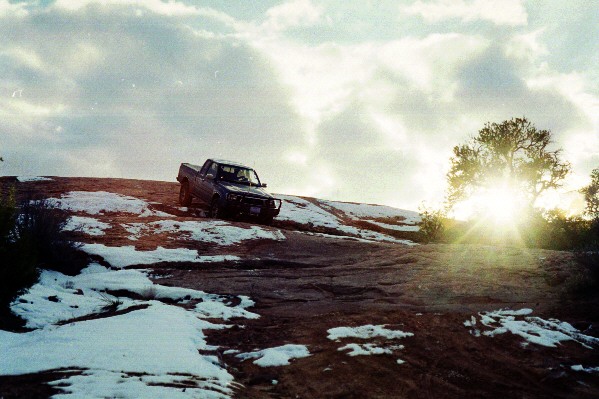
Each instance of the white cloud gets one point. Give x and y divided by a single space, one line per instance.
170 8
12 9
527 46
505 12
291 14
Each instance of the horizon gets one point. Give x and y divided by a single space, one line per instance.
355 103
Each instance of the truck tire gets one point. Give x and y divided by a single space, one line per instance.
215 211
184 194
266 220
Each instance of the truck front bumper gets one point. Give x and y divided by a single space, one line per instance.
252 206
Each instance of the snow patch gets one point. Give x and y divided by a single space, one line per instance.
369 331
214 231
75 296
579 367
24 179
535 330
101 202
304 212
366 332
159 341
277 356
366 349
89 226
368 211
213 309
396 227
142 353
128 255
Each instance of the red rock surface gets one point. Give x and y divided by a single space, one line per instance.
305 285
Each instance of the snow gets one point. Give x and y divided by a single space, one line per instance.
277 356
396 227
536 330
101 202
111 348
365 349
128 255
213 309
215 231
90 226
302 211
579 367
366 332
368 211
24 179
85 294
374 235
124 355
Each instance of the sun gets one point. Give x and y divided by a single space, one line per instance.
499 205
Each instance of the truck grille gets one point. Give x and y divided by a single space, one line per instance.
254 201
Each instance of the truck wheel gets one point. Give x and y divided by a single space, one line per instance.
184 194
267 220
215 211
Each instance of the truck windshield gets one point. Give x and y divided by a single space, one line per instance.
239 175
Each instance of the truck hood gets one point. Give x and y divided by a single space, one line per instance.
243 189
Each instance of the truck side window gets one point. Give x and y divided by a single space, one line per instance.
213 169
205 168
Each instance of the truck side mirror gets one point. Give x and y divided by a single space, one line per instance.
210 176
263 185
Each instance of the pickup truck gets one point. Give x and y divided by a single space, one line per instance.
229 189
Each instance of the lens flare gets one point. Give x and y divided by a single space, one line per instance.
500 205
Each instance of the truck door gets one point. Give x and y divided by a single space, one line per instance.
198 178
206 185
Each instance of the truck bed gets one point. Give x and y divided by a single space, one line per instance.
187 170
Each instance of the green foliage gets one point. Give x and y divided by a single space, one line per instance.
513 152
432 224
591 195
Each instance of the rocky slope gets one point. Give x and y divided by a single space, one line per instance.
334 300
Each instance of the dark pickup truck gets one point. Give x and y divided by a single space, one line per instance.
228 188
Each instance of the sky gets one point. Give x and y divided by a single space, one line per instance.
354 101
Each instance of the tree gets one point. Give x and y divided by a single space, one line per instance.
513 154
591 195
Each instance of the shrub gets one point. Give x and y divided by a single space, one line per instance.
432 224
32 238
40 228
17 267
585 282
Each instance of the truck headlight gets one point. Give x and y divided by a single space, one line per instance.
274 203
234 197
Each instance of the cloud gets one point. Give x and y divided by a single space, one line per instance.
291 14
12 9
131 89
508 12
170 8
136 106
